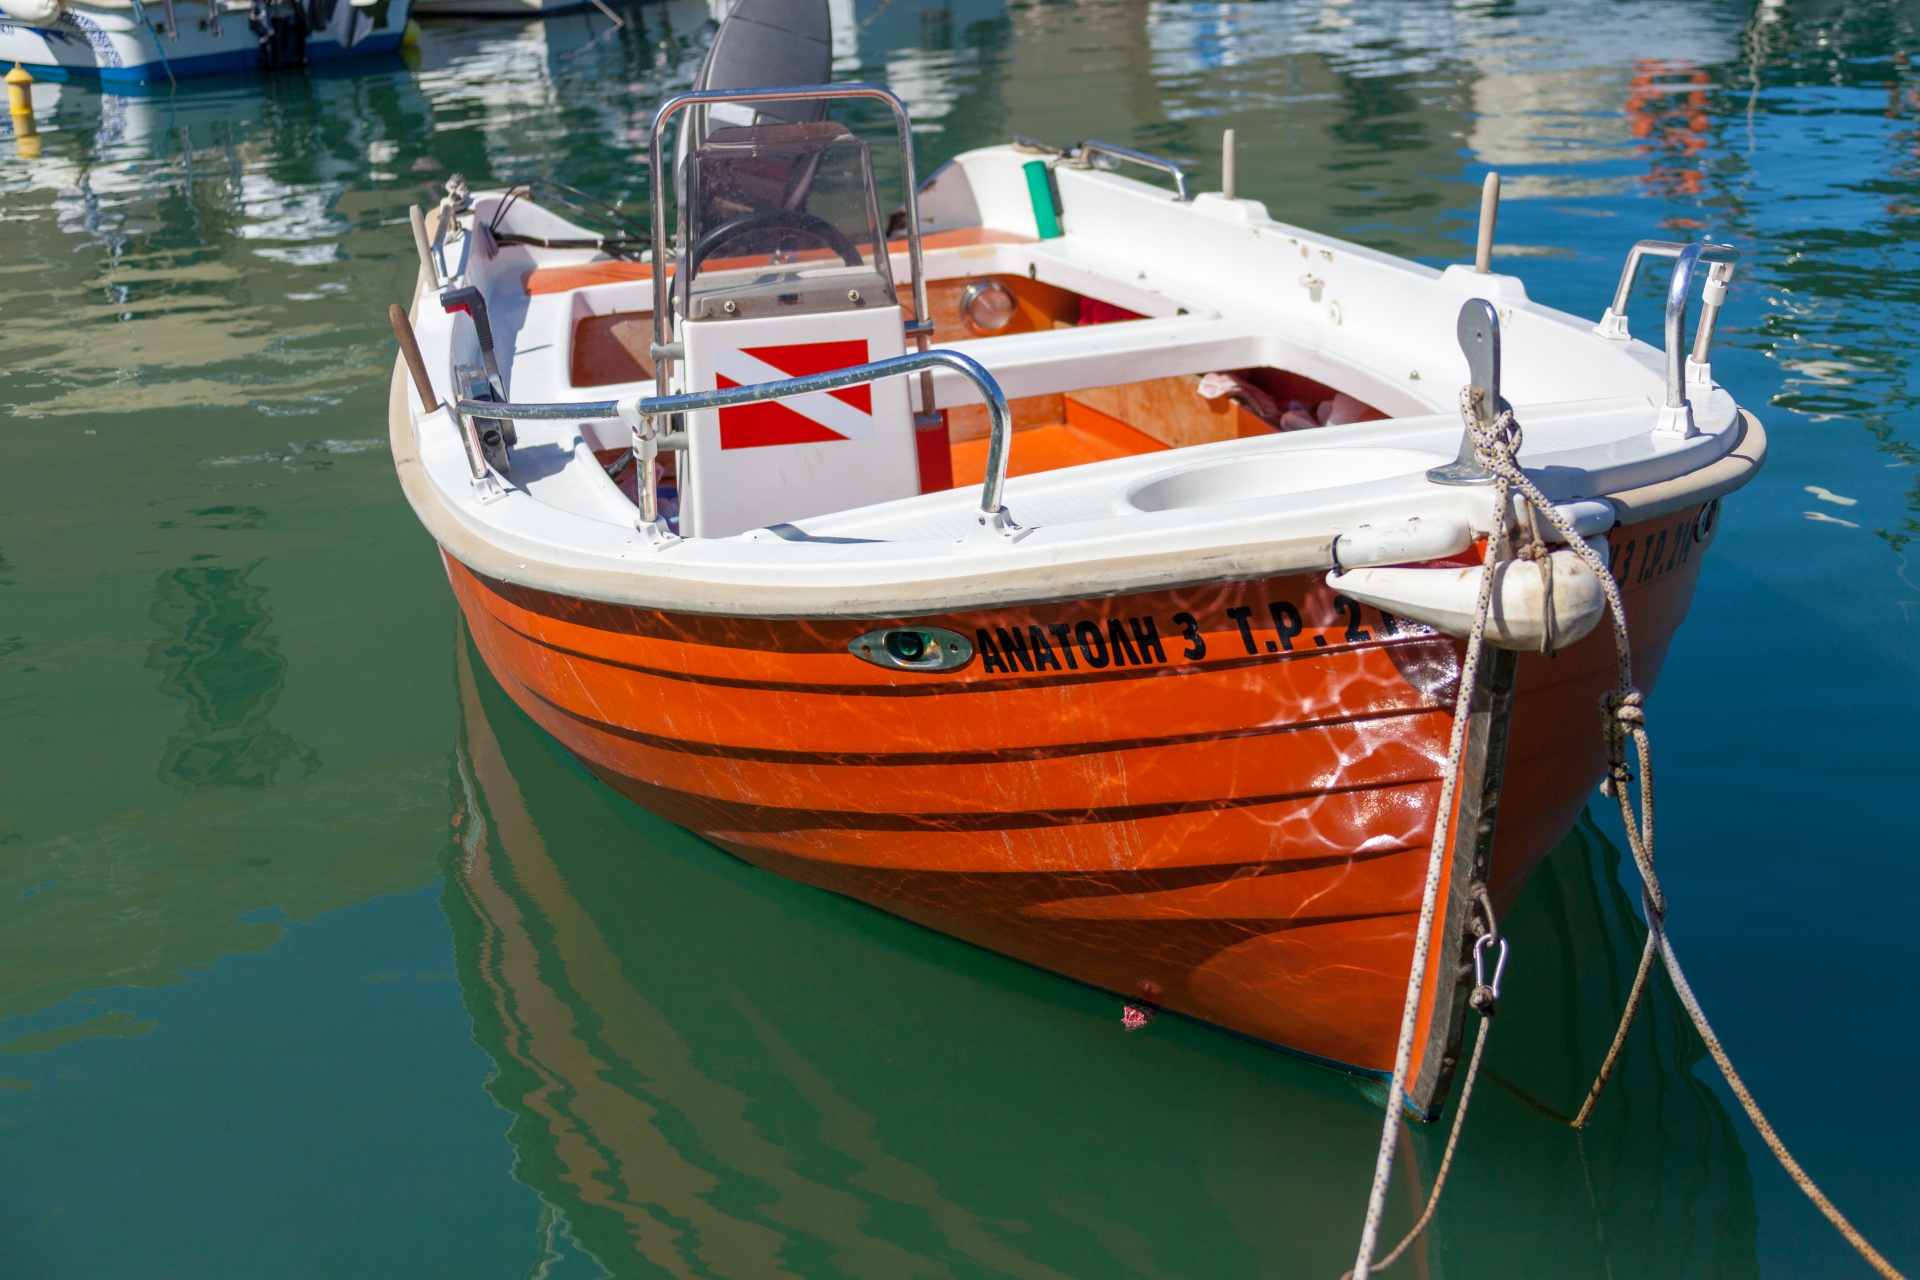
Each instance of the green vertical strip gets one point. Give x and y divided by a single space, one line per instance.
1046 216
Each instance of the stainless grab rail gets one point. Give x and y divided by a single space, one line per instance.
1613 321
640 411
1688 257
1082 157
1723 257
661 176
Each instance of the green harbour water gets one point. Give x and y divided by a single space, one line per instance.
319 959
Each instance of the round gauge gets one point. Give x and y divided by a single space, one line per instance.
987 306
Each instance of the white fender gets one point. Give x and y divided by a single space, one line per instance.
35 13
1405 543
1444 599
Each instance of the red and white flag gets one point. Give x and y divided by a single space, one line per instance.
814 418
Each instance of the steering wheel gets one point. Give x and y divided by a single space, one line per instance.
774 220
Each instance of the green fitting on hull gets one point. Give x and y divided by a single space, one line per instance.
1045 197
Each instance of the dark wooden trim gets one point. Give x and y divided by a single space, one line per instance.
1482 766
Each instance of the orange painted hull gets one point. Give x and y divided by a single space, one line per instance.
1217 799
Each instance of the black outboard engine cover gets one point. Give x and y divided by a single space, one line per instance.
763 44
281 28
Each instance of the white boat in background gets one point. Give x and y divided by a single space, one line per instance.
502 8
131 42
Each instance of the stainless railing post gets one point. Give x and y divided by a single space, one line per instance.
1676 416
1679 288
1613 321
1712 295
646 449
661 178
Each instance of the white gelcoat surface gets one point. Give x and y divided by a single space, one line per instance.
1216 280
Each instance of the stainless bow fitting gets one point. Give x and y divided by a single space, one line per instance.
1676 416
1478 329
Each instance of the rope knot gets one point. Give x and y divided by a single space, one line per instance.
1506 430
1625 706
1496 442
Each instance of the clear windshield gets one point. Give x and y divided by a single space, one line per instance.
781 218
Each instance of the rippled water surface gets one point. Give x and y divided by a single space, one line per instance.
318 959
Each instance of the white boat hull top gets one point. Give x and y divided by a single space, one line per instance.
498 8
1216 285
132 43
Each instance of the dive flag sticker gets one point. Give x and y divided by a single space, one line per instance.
814 418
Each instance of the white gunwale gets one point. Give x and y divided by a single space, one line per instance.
1223 287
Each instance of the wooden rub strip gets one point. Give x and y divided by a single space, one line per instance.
1715 480
544 280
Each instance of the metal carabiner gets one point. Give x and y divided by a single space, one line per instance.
1480 945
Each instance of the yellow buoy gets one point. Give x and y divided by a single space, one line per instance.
26 134
19 95
410 38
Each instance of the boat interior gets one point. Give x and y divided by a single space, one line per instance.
587 330
1152 326
608 350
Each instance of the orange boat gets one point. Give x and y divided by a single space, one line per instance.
1120 632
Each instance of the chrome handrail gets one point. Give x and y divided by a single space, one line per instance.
1082 158
1723 257
1687 258
640 411
661 177
1613 321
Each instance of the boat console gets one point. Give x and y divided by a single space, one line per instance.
785 273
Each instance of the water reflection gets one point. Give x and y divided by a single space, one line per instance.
161 224
712 1071
218 656
185 269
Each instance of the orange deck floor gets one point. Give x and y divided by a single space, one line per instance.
1086 436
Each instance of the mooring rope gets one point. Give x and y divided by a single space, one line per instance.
1600 1078
1436 854
1446 1159
1496 445
1485 997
